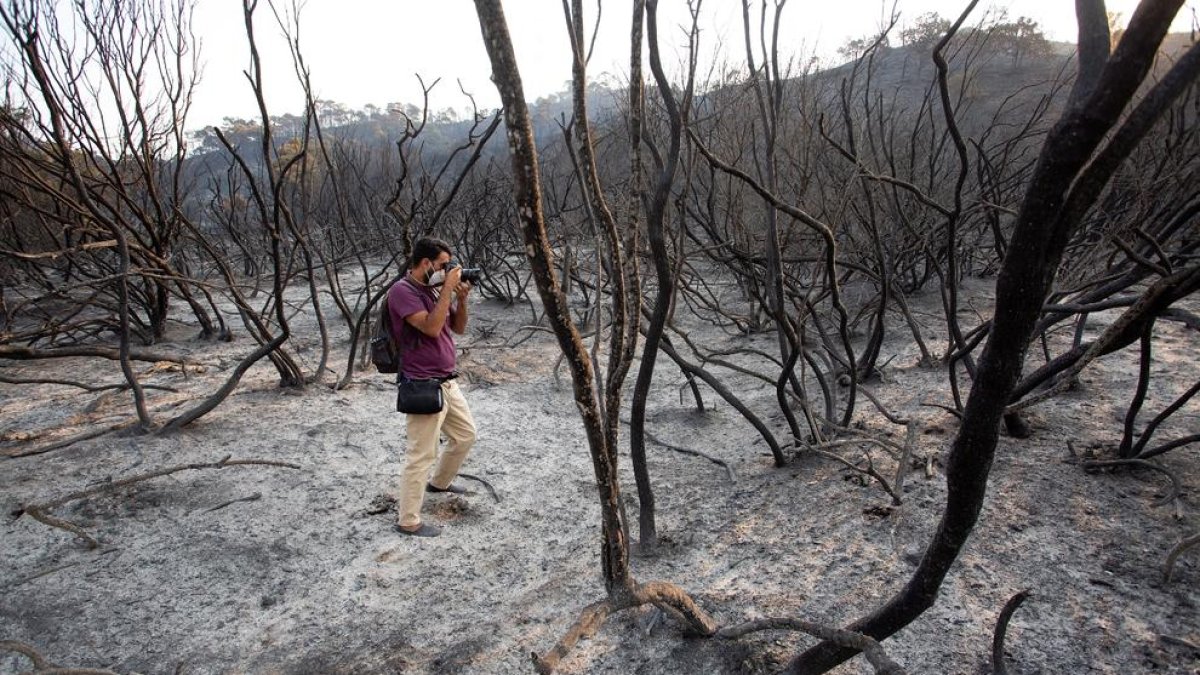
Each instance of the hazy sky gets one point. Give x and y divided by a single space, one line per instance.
370 51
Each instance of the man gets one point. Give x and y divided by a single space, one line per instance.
425 306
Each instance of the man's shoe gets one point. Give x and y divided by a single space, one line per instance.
456 489
423 530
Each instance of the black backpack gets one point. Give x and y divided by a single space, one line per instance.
385 352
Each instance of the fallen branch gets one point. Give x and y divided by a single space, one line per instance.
80 385
1010 608
71 440
20 353
39 511
1176 552
870 648
688 451
54 255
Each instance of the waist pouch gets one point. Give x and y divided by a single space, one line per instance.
419 397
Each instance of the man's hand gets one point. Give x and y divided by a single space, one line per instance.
453 277
462 289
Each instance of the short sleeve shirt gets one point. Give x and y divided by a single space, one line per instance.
424 356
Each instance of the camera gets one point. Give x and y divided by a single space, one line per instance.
471 275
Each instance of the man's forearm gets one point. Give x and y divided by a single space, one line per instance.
458 318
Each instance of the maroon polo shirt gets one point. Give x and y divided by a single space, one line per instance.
424 356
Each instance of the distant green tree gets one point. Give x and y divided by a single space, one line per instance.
856 47
926 31
1020 39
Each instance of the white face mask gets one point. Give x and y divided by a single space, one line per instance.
436 278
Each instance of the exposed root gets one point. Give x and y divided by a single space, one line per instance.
668 597
998 636
870 648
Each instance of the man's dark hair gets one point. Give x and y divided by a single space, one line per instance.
427 247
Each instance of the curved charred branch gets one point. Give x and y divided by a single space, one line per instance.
1001 631
289 372
39 511
1036 248
215 399
1169 446
1125 449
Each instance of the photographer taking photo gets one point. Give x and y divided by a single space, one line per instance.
426 306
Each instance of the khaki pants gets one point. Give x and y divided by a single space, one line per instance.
423 432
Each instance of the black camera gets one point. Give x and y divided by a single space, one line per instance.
471 275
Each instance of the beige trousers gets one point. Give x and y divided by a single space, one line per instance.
423 433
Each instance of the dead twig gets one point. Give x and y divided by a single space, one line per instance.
39 511
1006 613
1180 642
870 648
869 471
1182 546
486 484
952 411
